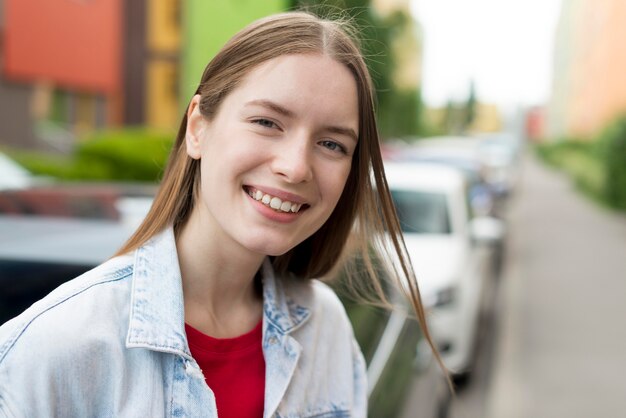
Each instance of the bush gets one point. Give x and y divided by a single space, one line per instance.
131 154
42 164
581 160
613 145
598 167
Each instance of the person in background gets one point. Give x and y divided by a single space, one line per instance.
212 308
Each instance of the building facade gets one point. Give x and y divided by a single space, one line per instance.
70 67
208 25
589 87
59 72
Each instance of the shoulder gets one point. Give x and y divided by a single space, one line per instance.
58 338
70 309
331 376
312 292
327 321
320 299
327 303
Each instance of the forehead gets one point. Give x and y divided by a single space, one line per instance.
307 84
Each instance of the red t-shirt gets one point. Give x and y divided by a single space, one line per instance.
234 368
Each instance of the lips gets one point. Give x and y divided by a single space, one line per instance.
275 202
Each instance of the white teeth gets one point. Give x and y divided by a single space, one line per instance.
274 202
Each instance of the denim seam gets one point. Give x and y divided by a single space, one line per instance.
338 414
151 345
4 408
329 414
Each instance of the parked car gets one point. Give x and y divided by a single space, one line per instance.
497 155
486 197
403 377
500 151
13 175
464 155
450 250
50 235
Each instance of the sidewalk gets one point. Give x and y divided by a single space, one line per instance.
563 346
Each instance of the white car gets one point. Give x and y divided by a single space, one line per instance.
13 175
449 251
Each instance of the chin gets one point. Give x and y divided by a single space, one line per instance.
275 251
271 246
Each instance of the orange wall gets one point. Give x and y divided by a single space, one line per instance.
74 44
598 68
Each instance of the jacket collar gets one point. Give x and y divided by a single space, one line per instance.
278 308
157 310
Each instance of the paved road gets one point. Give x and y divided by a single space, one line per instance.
561 346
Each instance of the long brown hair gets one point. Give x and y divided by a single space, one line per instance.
364 213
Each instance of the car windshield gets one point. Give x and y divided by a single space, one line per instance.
422 212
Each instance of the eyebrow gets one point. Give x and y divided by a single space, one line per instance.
288 113
343 131
272 106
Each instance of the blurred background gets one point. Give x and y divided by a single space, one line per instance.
525 100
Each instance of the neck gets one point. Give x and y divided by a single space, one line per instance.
218 281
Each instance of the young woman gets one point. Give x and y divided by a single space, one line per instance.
211 308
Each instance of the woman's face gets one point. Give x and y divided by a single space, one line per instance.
276 156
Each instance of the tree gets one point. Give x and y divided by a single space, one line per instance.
470 106
398 110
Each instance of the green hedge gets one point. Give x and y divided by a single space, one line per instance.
131 154
581 160
597 166
612 143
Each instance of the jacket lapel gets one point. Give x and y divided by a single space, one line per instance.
157 312
282 352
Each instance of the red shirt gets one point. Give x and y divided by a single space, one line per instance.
234 368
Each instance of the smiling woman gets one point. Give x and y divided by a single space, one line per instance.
212 305
271 136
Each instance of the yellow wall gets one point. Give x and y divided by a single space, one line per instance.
487 119
162 95
163 27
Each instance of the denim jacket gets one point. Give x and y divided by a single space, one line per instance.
112 343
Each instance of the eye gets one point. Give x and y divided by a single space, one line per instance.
266 123
333 146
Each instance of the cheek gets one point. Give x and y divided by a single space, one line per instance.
335 184
230 157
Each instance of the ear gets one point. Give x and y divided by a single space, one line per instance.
195 127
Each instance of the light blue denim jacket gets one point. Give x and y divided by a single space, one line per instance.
111 343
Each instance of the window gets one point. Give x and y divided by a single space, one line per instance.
422 212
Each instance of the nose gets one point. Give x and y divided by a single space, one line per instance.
292 160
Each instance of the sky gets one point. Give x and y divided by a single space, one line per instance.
504 46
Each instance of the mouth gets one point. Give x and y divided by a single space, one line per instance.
274 202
